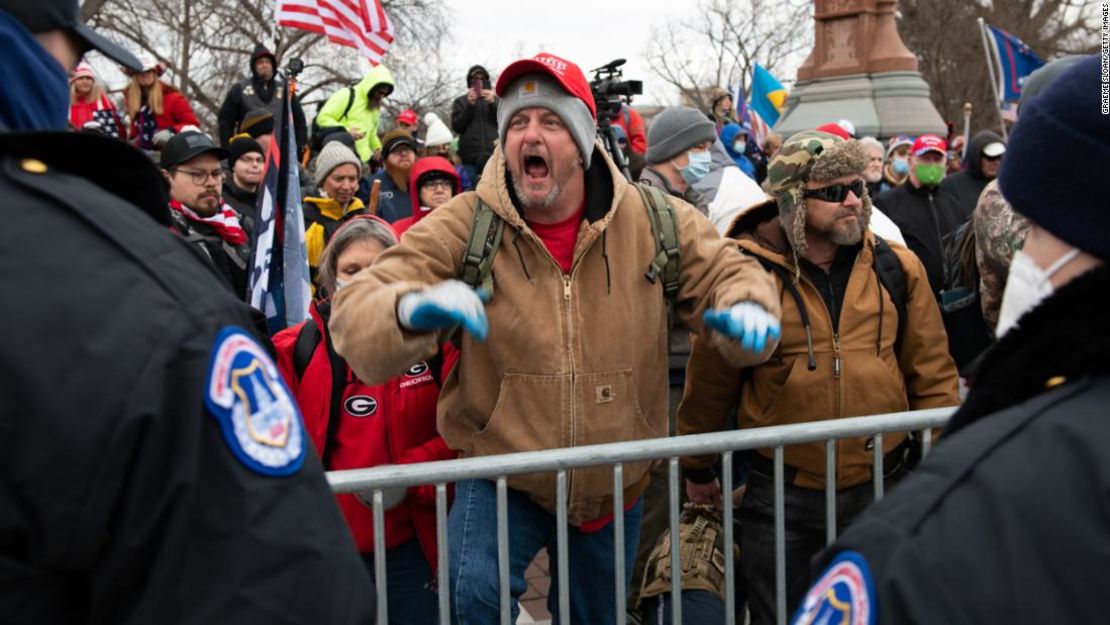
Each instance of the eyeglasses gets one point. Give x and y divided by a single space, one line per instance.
446 185
835 193
201 177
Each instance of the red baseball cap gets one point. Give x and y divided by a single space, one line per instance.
835 129
568 75
407 116
928 143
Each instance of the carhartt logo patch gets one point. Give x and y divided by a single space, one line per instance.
529 89
604 394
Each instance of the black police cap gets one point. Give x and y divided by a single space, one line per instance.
43 15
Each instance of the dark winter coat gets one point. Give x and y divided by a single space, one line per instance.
959 192
254 93
916 212
1005 522
476 124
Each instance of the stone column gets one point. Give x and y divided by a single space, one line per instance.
860 70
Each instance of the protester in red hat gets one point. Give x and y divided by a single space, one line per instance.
157 110
90 108
407 120
914 209
556 359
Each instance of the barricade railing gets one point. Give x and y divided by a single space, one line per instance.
559 461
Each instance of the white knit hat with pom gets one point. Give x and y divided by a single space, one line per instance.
437 133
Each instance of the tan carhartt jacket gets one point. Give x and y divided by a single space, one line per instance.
858 372
571 360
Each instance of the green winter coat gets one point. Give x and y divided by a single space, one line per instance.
360 115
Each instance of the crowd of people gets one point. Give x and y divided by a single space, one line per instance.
473 284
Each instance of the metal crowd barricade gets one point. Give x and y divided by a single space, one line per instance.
560 461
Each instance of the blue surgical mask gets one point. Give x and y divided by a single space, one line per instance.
901 166
697 168
739 146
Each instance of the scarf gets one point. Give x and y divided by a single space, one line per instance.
37 92
225 223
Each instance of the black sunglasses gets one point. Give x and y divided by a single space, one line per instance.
836 193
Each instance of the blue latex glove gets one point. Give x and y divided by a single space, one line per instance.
746 322
445 305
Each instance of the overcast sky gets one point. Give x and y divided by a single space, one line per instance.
588 32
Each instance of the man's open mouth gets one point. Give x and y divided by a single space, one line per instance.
535 167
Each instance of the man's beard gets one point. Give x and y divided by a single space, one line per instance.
873 178
560 179
547 201
843 232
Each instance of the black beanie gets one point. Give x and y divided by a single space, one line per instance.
1054 171
238 147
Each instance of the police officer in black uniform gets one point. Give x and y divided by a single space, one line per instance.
261 91
1008 520
153 468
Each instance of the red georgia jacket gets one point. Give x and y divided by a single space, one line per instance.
391 423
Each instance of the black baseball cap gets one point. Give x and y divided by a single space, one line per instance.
185 146
397 137
43 15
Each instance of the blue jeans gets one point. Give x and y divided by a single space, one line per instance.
472 539
408 585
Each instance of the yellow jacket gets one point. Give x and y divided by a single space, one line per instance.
322 217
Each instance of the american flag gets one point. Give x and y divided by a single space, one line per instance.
360 24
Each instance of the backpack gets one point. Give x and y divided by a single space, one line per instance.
886 266
319 133
968 334
487 227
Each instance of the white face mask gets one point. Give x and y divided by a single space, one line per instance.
1027 286
340 284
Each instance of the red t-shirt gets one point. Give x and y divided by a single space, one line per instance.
560 238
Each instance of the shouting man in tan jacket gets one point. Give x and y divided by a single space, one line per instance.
572 347
846 351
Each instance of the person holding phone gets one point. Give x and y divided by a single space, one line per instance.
474 118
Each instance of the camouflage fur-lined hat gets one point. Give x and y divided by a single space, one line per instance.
811 156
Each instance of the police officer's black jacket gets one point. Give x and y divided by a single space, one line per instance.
120 499
1008 520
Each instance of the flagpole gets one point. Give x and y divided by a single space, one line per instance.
967 130
994 81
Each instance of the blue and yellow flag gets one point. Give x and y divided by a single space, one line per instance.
768 95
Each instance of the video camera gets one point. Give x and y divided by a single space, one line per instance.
610 92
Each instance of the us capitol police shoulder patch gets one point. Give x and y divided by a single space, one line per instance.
844 595
256 411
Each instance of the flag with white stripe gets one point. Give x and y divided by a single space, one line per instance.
359 24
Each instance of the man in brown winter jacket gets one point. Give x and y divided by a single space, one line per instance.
855 357
577 345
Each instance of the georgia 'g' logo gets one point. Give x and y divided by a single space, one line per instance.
417 370
360 405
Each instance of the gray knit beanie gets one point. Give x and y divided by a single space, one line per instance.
676 130
540 90
333 155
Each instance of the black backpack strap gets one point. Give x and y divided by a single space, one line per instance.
893 278
664 229
788 283
485 238
307 340
435 365
350 101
